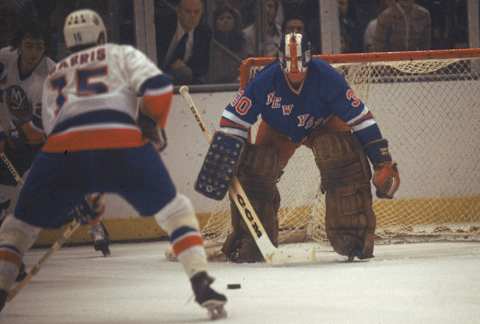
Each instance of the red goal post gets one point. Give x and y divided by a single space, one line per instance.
427 105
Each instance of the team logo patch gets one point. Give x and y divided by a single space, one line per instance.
354 100
17 103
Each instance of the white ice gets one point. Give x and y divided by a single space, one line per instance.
407 283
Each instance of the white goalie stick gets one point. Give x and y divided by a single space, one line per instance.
270 253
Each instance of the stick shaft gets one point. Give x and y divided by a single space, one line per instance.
67 233
11 168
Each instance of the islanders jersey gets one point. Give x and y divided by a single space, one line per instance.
18 91
90 99
295 113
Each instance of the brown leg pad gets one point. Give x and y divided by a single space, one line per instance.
350 220
258 174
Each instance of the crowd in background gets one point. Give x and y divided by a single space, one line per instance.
205 41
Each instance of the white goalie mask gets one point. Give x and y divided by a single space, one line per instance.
295 54
83 27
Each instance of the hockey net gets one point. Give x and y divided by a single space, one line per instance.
427 105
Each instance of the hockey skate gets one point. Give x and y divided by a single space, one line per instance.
101 240
3 298
208 298
22 273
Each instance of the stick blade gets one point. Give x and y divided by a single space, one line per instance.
286 257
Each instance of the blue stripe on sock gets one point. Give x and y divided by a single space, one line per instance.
181 231
10 247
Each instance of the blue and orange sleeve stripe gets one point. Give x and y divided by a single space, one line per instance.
157 97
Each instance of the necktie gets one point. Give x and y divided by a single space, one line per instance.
179 52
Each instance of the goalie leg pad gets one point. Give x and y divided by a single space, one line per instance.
220 165
16 237
350 220
178 219
258 173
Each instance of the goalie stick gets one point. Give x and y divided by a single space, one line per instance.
270 253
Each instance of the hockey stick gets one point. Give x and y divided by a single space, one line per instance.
11 168
270 253
67 233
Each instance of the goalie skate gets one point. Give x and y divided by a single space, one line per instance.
208 298
101 240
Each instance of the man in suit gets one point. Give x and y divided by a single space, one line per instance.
183 43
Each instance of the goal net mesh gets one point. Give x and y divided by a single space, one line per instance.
429 111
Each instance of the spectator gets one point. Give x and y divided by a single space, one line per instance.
271 32
228 49
404 26
12 12
349 28
372 26
294 24
183 43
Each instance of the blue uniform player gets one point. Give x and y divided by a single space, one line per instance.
304 101
89 111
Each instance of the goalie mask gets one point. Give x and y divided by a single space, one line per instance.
84 27
294 56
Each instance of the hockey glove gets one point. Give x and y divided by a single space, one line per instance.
386 180
91 208
154 135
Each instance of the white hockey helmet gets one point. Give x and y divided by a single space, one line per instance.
295 54
83 27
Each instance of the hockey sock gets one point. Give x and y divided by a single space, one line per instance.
178 219
16 237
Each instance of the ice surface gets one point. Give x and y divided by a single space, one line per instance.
407 283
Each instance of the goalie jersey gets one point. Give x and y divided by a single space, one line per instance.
21 95
90 99
295 113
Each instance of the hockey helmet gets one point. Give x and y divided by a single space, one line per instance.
83 27
294 55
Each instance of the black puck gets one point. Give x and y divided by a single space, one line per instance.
234 286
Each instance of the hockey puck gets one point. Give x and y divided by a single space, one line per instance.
234 286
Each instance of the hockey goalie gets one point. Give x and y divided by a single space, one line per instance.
301 101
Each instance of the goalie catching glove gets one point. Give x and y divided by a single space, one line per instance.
151 132
386 180
220 165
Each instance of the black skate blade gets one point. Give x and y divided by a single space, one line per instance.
102 246
215 309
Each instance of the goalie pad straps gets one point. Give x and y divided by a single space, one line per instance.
220 165
345 171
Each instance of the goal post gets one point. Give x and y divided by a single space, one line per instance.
427 106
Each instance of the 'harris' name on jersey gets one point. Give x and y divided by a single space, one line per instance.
96 54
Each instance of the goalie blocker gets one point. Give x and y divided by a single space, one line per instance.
220 165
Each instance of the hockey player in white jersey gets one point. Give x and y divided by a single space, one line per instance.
23 69
94 145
